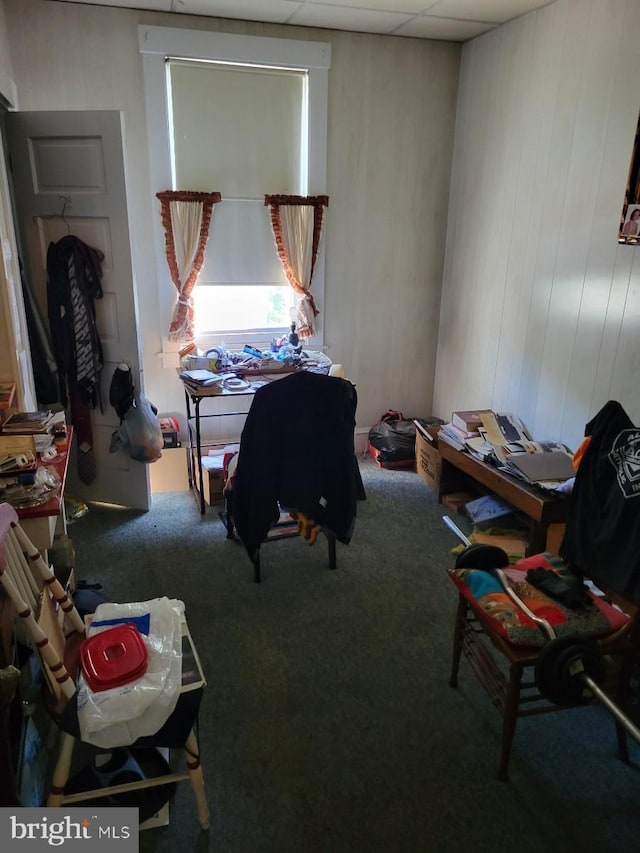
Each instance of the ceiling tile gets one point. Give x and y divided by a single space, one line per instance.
449 20
147 5
497 11
270 11
343 18
410 7
444 29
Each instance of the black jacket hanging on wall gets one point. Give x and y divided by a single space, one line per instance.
73 283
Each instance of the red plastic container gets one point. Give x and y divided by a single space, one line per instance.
113 657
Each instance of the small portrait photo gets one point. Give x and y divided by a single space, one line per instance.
631 226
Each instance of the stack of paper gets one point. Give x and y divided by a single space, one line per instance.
27 423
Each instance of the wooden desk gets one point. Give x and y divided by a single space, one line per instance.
541 508
41 523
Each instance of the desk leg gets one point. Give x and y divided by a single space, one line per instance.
190 471
537 539
199 450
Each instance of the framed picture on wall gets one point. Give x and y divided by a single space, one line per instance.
629 229
631 224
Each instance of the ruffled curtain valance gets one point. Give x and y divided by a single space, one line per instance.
297 226
186 217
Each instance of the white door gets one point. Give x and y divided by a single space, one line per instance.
68 178
15 355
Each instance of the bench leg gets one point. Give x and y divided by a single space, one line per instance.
458 635
509 719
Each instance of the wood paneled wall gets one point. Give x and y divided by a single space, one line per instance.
541 306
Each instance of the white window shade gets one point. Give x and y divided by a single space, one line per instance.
242 129
237 128
244 226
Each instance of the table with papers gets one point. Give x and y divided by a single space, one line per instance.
460 469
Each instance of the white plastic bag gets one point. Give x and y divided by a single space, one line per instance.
139 433
120 715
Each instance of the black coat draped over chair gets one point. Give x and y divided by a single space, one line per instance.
297 452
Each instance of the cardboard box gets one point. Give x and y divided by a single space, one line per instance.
214 484
213 478
428 461
456 501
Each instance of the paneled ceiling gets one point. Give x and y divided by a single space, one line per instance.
445 20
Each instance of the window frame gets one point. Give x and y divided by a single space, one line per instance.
157 44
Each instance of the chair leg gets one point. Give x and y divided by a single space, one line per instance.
197 779
61 770
509 719
256 567
228 514
332 551
458 635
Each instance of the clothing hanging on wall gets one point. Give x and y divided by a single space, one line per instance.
607 490
73 284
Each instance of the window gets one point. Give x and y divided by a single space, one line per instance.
244 116
244 153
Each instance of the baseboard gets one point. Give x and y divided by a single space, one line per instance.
361 439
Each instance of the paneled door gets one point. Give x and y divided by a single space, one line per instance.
69 178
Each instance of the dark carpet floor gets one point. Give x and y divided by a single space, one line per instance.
328 725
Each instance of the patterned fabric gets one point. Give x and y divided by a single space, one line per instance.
88 365
296 222
485 594
73 283
186 217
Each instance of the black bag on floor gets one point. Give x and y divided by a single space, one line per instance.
394 437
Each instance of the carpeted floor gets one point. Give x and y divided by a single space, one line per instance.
328 725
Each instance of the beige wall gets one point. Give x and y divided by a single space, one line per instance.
391 119
541 306
5 337
7 92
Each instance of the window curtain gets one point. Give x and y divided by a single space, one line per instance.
186 217
297 225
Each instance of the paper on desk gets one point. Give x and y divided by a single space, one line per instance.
503 428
